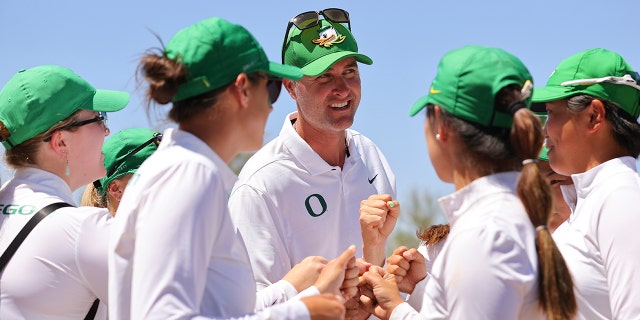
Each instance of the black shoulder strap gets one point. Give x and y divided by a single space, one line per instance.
13 246
94 309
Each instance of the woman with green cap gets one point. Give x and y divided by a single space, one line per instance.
52 125
124 152
499 260
593 135
176 253
432 239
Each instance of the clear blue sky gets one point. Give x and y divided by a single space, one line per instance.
102 41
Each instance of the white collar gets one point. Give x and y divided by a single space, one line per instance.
176 137
41 181
304 154
584 183
456 204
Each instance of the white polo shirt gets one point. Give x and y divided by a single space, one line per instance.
601 240
175 252
61 267
488 266
289 203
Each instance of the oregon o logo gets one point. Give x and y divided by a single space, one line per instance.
310 210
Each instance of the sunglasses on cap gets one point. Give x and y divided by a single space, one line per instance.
156 139
274 86
311 19
632 80
102 117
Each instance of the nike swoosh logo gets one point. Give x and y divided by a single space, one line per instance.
371 180
434 91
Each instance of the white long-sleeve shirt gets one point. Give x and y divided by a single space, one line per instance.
488 266
176 254
430 253
289 203
601 240
61 267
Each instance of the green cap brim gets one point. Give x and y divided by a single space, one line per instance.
284 71
108 101
323 63
418 105
546 94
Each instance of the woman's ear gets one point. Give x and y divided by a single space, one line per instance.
115 190
242 89
58 143
597 115
441 127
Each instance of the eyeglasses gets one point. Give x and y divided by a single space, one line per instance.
311 19
102 117
274 86
632 80
543 118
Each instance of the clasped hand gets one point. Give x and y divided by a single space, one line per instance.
380 289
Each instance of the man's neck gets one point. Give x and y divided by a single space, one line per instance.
330 146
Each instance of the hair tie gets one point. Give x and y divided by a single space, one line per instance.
514 107
528 161
542 227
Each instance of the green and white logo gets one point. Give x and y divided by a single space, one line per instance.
316 205
17 209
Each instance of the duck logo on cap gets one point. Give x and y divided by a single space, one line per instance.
527 89
328 36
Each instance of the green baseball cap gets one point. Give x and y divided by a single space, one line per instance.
468 80
593 72
317 48
125 151
36 99
215 52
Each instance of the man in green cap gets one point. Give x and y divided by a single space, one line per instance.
593 103
300 194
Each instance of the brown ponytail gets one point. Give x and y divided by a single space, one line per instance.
434 234
163 77
555 286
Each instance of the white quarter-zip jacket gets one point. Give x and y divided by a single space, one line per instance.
488 266
176 254
61 267
600 241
